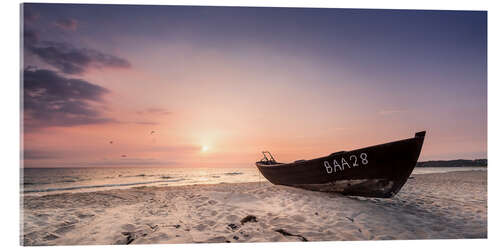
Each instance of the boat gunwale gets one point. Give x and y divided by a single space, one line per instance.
294 164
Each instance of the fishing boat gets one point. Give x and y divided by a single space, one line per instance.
376 171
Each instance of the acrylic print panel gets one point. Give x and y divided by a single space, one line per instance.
144 124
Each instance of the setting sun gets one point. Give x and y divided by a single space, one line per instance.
204 148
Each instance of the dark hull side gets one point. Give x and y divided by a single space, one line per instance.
376 171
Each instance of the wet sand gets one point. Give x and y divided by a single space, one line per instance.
430 206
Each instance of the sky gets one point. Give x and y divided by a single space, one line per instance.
183 86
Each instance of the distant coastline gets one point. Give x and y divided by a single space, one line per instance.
454 163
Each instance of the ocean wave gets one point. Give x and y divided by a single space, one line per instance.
233 173
138 175
66 181
99 186
30 183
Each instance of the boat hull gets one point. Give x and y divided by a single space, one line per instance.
376 171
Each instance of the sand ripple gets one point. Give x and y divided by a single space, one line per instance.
431 206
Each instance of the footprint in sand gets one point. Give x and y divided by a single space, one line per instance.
232 217
200 227
128 227
50 237
219 239
281 220
41 215
299 218
64 228
84 215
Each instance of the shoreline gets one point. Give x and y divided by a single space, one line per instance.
450 205
162 183
165 183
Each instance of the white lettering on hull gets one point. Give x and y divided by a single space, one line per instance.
345 164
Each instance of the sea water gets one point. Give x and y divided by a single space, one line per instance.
39 181
44 180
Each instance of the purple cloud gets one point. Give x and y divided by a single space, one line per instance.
30 37
53 100
69 59
67 24
29 15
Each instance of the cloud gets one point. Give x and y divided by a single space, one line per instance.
30 37
154 111
145 123
66 24
69 59
29 15
53 100
151 111
30 154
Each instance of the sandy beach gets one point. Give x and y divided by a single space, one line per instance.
430 206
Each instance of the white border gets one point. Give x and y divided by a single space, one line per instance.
10 146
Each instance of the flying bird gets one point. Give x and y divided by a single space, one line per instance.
124 155
152 132
110 142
